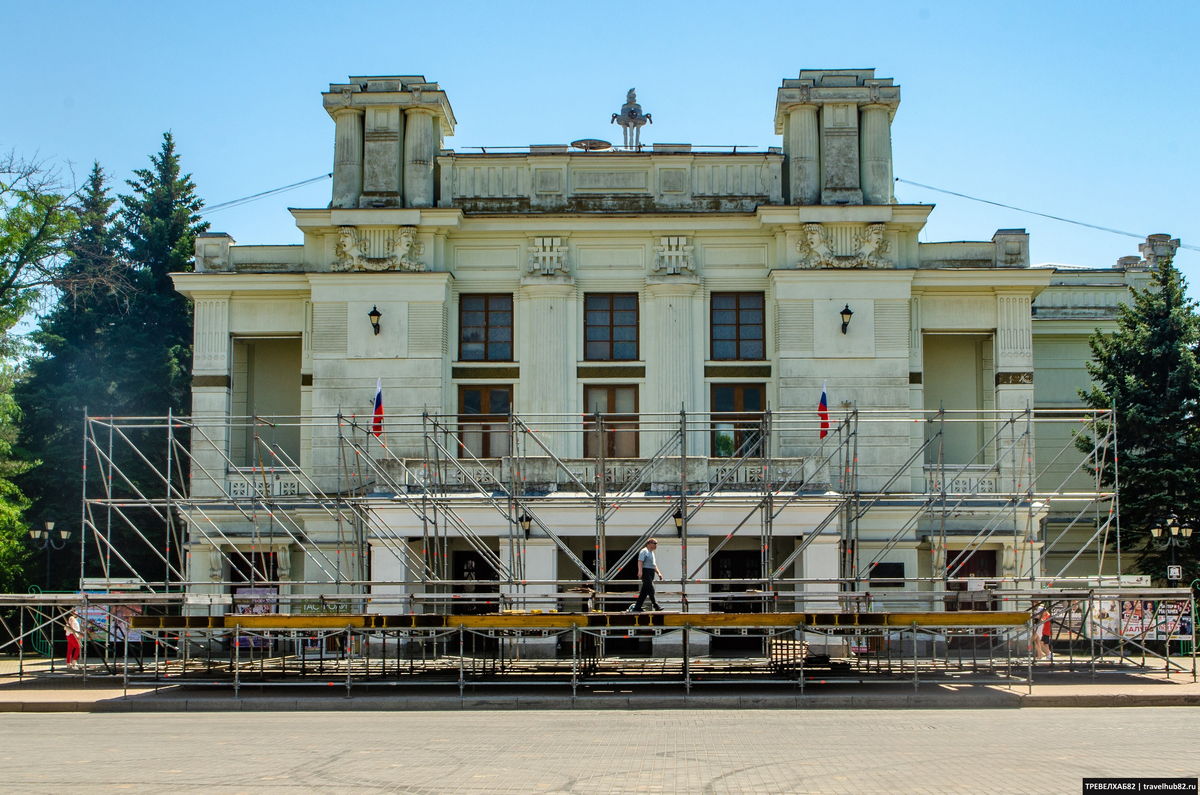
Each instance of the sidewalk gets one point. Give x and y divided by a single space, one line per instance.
1059 689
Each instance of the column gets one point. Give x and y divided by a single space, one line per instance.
674 353
420 148
670 560
916 394
876 155
348 157
803 143
210 393
1014 378
548 355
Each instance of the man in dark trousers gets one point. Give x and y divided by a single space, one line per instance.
647 571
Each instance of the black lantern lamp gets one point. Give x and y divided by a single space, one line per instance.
679 521
375 315
846 314
526 520
45 541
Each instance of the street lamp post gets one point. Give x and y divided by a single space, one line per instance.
1173 534
44 539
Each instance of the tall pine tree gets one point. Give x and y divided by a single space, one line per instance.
124 351
1148 371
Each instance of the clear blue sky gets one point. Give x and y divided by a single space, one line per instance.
1085 110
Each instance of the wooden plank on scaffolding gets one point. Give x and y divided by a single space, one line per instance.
963 618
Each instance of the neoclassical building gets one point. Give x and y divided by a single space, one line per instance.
508 301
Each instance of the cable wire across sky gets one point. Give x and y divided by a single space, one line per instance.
1035 212
256 196
276 191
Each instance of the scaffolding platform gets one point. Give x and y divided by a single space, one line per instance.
281 621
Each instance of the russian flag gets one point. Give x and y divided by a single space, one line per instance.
822 411
377 420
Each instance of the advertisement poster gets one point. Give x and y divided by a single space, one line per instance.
106 623
1141 619
255 602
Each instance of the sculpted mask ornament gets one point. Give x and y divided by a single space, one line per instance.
871 248
816 248
400 251
405 250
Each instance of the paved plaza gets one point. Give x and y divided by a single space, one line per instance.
693 751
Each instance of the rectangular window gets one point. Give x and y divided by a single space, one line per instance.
483 420
619 407
887 575
485 328
737 326
737 419
611 327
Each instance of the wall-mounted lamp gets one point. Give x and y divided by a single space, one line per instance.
526 520
679 521
375 315
846 314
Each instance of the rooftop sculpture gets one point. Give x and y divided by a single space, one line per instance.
631 120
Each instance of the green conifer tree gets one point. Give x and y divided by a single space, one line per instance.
1148 371
125 350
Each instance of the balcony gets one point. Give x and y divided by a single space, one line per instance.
543 474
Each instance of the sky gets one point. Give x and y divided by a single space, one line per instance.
1082 110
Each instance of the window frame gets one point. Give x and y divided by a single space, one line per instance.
637 327
744 422
487 325
629 422
737 325
485 421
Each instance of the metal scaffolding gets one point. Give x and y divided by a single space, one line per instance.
175 487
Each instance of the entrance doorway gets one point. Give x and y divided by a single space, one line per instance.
743 568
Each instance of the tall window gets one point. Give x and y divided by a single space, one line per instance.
737 419
611 327
737 326
483 420
485 328
619 407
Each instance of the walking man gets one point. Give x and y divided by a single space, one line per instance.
647 571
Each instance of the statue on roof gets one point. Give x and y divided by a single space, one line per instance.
632 120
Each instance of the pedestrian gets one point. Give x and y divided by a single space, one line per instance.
1047 633
647 571
1041 617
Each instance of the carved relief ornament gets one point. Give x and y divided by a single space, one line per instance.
674 255
547 255
817 250
399 251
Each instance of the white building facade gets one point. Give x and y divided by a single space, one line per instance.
645 284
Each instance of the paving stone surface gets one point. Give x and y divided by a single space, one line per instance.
669 751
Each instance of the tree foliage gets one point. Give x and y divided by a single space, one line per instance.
117 353
1147 370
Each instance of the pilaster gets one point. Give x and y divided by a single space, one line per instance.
839 154
420 148
803 147
547 351
347 157
675 354
210 389
876 154
383 139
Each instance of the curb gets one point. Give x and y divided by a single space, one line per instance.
450 703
